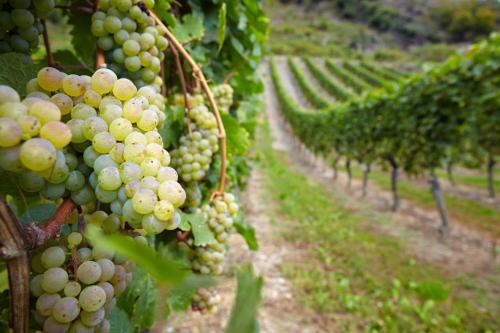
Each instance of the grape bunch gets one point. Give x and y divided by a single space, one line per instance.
206 300
193 157
76 286
92 138
134 46
223 96
20 24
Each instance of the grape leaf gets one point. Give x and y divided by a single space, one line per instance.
238 141
17 70
247 231
144 315
180 300
190 29
126 301
84 43
68 58
120 322
38 212
221 28
201 232
184 226
244 312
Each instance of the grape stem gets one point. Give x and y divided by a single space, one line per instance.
198 74
35 236
46 42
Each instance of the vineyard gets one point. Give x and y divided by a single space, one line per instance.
175 166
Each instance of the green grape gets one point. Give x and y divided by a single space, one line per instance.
149 120
66 310
130 215
103 81
53 256
59 171
106 42
166 173
152 225
92 98
154 150
131 188
116 207
92 298
119 276
74 239
150 182
128 24
76 128
144 201
53 191
92 319
130 172
10 132
90 156
120 128
100 253
37 154
147 41
163 210
111 112
122 194
79 327
97 217
135 153
150 166
99 15
59 134
132 64
121 37
50 79
136 138
83 254
31 182
22 18
102 162
103 142
45 111
51 325
111 224
97 28
93 180
109 179
35 286
108 289
93 126
147 75
89 272
75 181
13 110
39 95
116 153
71 160
72 289
44 5
7 94
83 196
124 89
73 85
30 126
54 280
119 56
107 268
154 137
83 111
45 303
173 192
105 196
112 24
132 110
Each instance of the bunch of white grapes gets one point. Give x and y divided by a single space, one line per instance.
223 96
206 300
134 46
76 286
192 100
193 157
20 24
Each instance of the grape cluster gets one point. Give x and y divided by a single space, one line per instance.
20 23
223 96
93 138
76 295
206 300
193 157
134 46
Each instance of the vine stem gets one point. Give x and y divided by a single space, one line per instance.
46 42
197 72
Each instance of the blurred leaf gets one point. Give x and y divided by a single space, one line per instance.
120 322
174 125
201 232
126 301
221 28
190 29
68 58
185 225
247 231
144 315
84 43
238 140
17 70
180 300
38 212
244 313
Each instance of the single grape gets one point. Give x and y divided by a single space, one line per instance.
45 303
103 81
130 215
79 327
136 138
37 154
7 94
152 225
45 111
59 134
135 153
109 179
102 162
103 142
120 128
144 201
111 112
89 272
107 268
150 182
83 196
111 224
163 210
83 111
53 256
76 128
124 89
54 280
105 196
92 319
35 286
75 181
92 298
10 132
166 173
73 85
66 310
50 78
72 289
116 153
30 126
173 192
13 110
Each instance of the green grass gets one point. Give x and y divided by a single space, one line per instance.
475 180
466 211
361 280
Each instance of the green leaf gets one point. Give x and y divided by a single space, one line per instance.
162 269
185 225
17 70
244 313
247 231
4 278
238 140
201 232
180 300
84 43
190 29
38 212
126 301
174 125
120 322
68 58
144 316
221 27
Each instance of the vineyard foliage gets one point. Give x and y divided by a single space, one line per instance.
117 175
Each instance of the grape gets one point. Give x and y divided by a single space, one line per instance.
35 286
7 94
30 126
84 254
53 191
102 162
92 298
83 196
105 196
76 128
93 126
66 310
112 24
173 192
149 120
111 112
75 181
107 268
111 224
152 225
163 210
103 81
105 43
124 89
53 257
79 327
116 153
130 172
150 182
54 280
73 85
166 173
108 289
59 134
22 18
72 289
144 201
150 166
93 318
10 132
74 239
45 111
37 154
130 215
174 222
103 142
135 153
82 111
45 303
109 179
50 79
51 325
10 160
132 110
136 138
89 272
